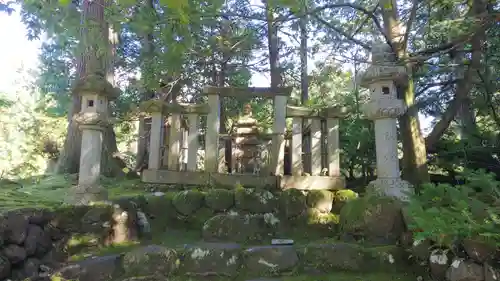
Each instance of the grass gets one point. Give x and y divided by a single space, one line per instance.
51 190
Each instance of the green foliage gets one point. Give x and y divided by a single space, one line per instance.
444 213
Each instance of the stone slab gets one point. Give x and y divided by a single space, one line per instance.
311 182
175 177
244 180
270 260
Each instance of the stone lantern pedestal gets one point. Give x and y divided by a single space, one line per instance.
384 108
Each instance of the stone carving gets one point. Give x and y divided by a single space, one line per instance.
91 119
246 153
384 108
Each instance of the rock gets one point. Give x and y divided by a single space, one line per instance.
16 227
491 273
478 250
188 201
291 203
54 232
150 260
37 241
97 220
38 216
5 267
14 253
328 257
270 260
439 261
420 249
125 222
378 219
219 199
92 269
31 267
238 228
341 197
321 200
462 270
255 200
207 259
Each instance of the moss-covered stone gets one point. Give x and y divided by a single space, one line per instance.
377 219
292 202
235 228
220 259
321 200
188 201
351 257
150 260
219 199
340 197
270 260
255 200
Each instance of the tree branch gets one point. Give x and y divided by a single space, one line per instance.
342 32
411 20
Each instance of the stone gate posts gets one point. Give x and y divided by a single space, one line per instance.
156 108
384 108
92 120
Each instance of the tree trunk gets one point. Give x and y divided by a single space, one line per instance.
415 157
273 46
147 50
92 60
304 87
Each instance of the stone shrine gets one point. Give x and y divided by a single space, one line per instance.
246 143
384 108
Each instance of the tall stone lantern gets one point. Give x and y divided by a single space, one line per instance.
384 108
92 120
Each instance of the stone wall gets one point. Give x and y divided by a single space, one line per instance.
228 261
468 261
35 242
195 207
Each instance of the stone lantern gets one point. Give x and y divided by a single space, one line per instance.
384 108
92 120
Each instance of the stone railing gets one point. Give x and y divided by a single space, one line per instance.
330 116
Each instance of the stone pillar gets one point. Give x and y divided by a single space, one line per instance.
333 146
296 147
384 108
316 147
174 142
212 135
155 139
193 143
279 126
90 159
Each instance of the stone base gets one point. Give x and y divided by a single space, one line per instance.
85 195
391 187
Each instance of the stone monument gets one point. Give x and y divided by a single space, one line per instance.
92 121
384 108
246 152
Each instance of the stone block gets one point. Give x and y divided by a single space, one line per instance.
212 259
270 260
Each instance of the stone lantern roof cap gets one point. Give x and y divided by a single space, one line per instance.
383 67
95 84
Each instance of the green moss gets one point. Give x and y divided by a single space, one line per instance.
343 276
219 199
317 197
292 202
255 200
188 201
345 195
